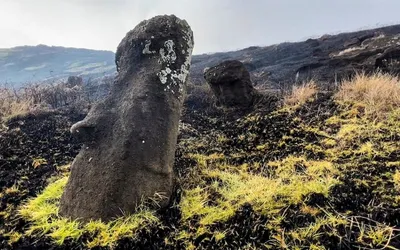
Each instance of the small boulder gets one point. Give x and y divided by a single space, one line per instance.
231 84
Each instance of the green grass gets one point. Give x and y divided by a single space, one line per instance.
233 187
32 68
42 213
79 68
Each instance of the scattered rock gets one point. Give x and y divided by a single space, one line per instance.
230 83
130 137
73 81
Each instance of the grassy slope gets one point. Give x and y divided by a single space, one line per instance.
21 65
322 173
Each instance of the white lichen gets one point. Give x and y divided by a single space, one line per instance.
146 49
168 56
163 76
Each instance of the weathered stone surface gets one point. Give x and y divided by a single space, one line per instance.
231 84
130 137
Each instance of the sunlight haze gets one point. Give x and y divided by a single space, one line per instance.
218 25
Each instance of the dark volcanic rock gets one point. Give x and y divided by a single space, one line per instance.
130 137
381 52
230 83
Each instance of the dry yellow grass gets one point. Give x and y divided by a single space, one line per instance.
39 97
378 94
11 104
301 94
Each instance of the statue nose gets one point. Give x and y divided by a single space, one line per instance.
83 131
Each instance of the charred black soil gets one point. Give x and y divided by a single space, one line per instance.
349 200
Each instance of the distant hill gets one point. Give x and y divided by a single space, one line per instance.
328 58
24 64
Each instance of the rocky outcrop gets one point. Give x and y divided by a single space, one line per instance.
230 83
130 137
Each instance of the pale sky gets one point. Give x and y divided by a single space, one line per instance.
218 25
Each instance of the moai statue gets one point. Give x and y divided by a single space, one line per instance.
130 137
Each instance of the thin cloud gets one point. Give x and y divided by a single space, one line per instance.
218 25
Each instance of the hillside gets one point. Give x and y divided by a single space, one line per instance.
326 59
26 64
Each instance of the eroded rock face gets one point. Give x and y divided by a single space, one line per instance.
231 84
130 137
381 52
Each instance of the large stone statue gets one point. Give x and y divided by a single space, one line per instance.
130 138
231 84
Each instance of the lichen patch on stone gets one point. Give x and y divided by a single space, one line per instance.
168 54
146 49
167 57
162 75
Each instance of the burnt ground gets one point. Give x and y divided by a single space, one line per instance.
366 190
42 138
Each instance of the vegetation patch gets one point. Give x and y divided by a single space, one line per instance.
232 187
301 94
42 213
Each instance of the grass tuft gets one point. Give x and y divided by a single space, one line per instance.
378 94
42 213
300 94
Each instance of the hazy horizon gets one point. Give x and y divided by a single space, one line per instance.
218 26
